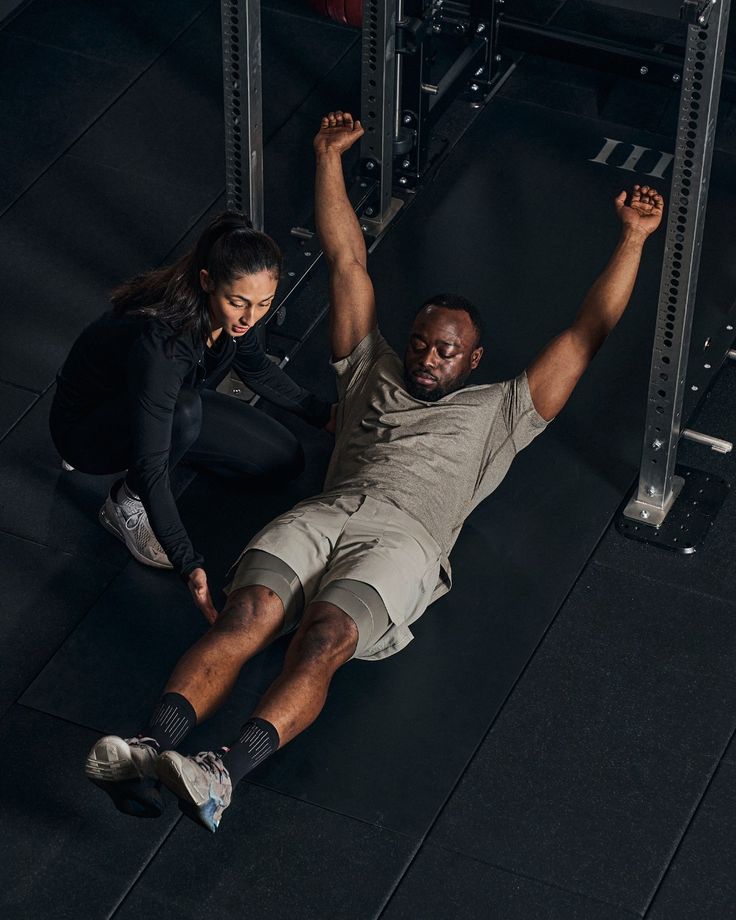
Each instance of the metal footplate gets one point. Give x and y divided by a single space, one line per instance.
689 518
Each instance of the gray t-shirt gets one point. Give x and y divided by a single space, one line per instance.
435 460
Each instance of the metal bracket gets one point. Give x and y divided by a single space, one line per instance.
639 509
375 227
690 519
697 11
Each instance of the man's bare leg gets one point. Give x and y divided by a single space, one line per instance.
325 640
125 768
252 618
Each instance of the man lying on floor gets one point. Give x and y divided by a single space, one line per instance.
350 570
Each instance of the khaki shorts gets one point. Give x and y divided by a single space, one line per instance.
327 543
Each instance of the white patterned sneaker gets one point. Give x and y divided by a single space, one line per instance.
127 520
201 783
126 770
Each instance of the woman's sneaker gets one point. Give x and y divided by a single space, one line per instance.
126 769
201 783
126 518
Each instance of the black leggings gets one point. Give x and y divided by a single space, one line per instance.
210 430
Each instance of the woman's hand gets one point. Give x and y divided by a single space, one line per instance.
201 593
332 423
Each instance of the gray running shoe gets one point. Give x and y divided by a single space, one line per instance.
126 769
127 520
201 783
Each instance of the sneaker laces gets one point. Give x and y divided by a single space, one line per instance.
139 525
210 762
133 520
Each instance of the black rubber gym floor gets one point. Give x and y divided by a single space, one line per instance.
555 743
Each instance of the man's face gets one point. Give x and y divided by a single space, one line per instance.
441 353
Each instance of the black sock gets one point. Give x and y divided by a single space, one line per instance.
170 722
258 740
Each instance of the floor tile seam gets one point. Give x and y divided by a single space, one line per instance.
662 581
25 412
83 614
55 715
100 115
334 811
16 36
84 54
13 14
81 556
683 836
52 715
323 79
136 174
396 884
21 386
143 869
534 878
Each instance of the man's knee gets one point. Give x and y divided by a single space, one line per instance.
249 608
326 634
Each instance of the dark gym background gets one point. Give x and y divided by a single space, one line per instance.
556 743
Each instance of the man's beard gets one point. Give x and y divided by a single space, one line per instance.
431 394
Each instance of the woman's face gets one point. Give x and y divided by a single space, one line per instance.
237 307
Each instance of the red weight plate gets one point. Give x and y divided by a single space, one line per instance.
337 11
354 13
320 6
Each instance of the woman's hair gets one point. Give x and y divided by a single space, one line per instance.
228 248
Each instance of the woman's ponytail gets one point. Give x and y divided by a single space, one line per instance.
228 248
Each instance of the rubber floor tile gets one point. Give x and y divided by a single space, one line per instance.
45 594
9 6
43 503
441 885
66 852
79 232
117 31
271 858
110 672
47 99
710 569
700 882
14 401
591 773
169 126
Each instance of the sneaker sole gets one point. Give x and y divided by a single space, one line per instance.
200 810
112 527
131 793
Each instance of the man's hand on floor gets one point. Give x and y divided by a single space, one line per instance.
644 211
337 132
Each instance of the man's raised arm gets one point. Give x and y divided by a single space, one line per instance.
556 370
352 303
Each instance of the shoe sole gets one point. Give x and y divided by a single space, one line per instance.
112 527
200 810
131 793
